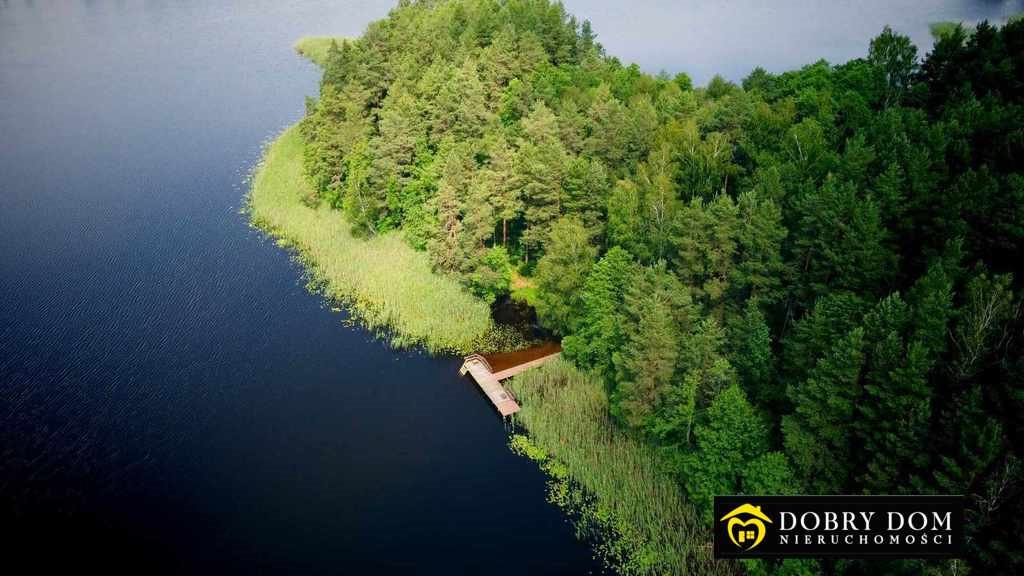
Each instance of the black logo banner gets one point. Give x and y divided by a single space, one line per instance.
838 526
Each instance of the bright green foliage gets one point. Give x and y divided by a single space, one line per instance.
769 473
733 436
586 192
402 128
361 201
448 205
538 171
626 220
562 273
453 101
493 276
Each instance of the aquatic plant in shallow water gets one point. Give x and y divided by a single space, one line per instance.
611 483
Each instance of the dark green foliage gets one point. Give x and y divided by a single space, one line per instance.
601 330
807 282
751 352
733 438
840 244
817 432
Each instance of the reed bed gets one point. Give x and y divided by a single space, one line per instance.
386 284
315 47
634 496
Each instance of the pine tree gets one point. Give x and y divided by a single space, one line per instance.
751 344
498 175
759 268
454 103
840 244
706 250
607 130
909 340
600 332
539 168
586 193
647 362
703 372
657 311
401 128
832 318
561 274
817 433
733 437
448 205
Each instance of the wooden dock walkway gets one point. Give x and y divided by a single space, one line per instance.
490 382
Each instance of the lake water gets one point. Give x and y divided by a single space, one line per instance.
172 399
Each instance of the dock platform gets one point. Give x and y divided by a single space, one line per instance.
490 381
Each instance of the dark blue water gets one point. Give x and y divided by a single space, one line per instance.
171 398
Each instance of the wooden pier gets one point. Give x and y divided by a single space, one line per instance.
490 381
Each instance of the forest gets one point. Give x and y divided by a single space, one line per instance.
807 282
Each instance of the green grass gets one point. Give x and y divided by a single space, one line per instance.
523 289
315 47
386 283
527 295
635 499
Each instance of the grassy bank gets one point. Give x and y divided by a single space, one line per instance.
315 47
649 527
386 283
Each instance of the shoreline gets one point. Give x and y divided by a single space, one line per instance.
587 491
618 492
378 279
383 282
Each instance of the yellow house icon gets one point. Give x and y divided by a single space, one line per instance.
751 530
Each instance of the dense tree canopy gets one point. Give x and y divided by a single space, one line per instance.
817 272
